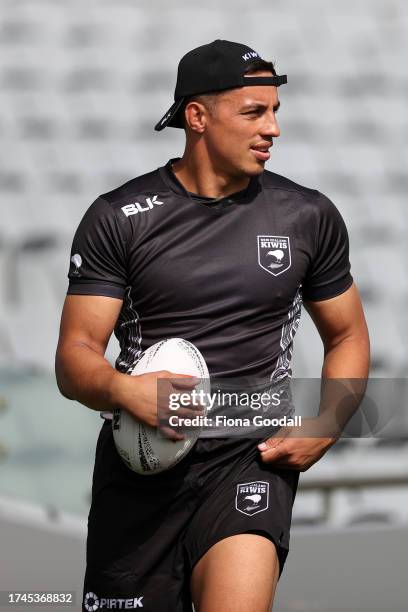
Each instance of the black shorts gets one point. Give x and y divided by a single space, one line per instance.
146 533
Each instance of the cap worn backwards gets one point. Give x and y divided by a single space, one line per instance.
217 66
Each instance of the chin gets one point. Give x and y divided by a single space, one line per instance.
247 167
254 169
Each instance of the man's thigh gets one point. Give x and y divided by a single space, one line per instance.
135 555
242 495
237 574
237 541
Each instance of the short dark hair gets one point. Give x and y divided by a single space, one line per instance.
210 97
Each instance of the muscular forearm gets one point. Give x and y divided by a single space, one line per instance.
344 375
349 358
86 376
344 378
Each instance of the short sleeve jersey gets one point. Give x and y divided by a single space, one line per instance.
229 275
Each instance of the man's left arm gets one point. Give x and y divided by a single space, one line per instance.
342 327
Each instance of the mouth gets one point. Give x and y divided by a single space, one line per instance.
262 152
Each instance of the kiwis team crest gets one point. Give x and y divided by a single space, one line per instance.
274 254
252 497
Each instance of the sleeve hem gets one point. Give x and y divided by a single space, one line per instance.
96 289
330 291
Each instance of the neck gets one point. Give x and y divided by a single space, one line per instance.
198 174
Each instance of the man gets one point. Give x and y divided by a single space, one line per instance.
214 249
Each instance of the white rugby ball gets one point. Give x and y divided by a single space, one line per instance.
140 446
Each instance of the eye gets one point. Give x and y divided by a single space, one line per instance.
253 112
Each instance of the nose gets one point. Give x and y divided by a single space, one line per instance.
271 126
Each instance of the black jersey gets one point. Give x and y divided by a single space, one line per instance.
228 275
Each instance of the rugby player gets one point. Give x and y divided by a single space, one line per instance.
213 248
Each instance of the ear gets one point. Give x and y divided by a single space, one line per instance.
195 114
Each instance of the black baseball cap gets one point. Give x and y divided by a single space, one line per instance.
216 66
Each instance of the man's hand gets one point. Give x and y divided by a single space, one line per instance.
139 396
288 449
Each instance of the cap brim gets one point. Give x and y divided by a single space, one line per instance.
170 118
274 80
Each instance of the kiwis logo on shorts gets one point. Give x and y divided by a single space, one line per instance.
252 497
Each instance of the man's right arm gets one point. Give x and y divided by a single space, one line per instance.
91 310
83 374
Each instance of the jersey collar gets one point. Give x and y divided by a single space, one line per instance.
172 181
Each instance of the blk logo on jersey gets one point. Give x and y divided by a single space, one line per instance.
136 207
252 497
274 254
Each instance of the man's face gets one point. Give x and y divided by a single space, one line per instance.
239 132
